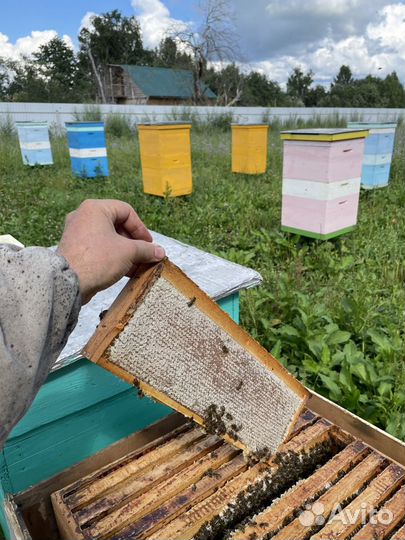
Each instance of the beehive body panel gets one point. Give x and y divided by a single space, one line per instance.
377 158
321 185
34 143
323 161
171 345
87 149
166 160
249 149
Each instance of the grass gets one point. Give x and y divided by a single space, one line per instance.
331 311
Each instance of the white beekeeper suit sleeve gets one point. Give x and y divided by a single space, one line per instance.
39 306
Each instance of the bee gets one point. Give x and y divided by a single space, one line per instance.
191 301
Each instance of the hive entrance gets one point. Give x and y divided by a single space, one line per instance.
193 485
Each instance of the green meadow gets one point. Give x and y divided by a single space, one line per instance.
331 311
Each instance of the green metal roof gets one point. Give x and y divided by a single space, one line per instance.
165 82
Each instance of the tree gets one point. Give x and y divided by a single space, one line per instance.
260 91
393 91
228 84
168 55
344 76
25 83
4 79
214 41
57 65
111 39
298 83
315 95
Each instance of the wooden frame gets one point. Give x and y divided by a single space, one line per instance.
97 349
30 515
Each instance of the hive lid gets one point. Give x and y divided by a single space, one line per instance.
167 337
371 125
214 275
249 124
32 124
324 134
163 125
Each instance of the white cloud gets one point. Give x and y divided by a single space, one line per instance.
27 45
379 51
86 21
313 7
390 32
155 20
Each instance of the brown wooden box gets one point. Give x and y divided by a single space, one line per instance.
378 455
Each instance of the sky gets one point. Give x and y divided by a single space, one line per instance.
274 36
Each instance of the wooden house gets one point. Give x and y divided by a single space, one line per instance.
140 85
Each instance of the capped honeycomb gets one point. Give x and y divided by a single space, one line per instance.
181 348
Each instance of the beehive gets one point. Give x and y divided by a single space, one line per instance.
166 336
87 149
249 148
321 181
34 143
378 151
165 150
192 485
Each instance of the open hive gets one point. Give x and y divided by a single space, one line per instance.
322 483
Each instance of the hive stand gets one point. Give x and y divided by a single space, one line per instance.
321 181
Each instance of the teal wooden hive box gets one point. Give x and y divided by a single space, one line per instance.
378 150
82 408
34 143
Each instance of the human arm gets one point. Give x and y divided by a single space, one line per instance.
42 291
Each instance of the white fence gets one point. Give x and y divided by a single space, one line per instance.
58 113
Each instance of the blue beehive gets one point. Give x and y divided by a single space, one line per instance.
378 150
87 149
34 143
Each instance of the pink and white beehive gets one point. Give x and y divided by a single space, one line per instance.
321 181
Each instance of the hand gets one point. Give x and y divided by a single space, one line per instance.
103 241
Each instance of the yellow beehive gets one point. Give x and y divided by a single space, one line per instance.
166 158
249 148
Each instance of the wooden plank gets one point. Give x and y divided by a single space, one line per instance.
305 419
129 466
136 508
146 479
187 524
339 492
70 390
399 534
31 458
357 427
386 520
268 521
339 528
35 503
191 495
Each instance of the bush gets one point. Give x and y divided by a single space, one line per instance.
90 113
118 125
